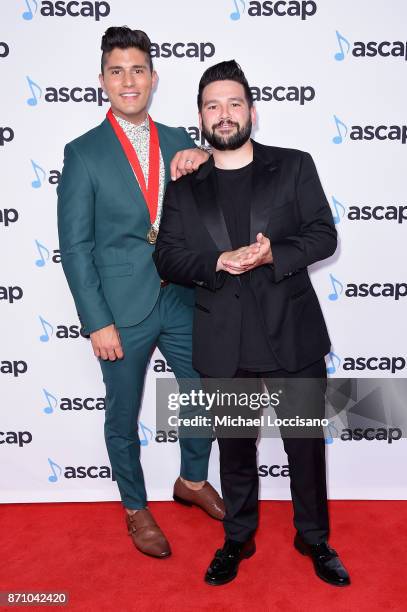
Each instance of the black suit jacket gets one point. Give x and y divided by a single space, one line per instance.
289 207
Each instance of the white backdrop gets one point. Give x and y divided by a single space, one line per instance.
46 449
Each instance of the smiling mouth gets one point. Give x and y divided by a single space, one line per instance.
225 126
133 94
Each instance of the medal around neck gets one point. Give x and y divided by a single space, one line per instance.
152 235
150 191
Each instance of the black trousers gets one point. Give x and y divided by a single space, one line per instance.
306 454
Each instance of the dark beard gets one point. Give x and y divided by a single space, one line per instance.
229 143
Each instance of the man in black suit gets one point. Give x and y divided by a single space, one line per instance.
243 229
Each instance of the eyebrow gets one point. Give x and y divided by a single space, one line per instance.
121 67
234 98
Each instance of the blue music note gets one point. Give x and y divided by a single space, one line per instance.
332 359
28 15
236 14
53 465
331 429
46 336
341 55
339 138
338 207
33 86
335 294
52 402
36 183
144 429
41 249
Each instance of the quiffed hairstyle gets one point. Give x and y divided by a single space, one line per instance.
124 38
225 71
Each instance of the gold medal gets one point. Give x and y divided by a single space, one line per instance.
152 235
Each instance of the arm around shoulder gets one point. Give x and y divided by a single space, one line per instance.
175 261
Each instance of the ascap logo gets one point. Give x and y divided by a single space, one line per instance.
166 436
375 290
81 471
70 404
391 364
391 434
161 436
97 10
78 403
282 93
21 438
360 49
274 470
196 134
396 133
43 255
64 94
368 212
60 331
279 8
92 471
11 294
15 368
8 215
6 135
160 366
41 176
4 49
179 50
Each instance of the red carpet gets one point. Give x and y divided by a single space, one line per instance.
83 549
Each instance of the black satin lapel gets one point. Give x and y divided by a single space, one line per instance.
265 180
211 213
121 162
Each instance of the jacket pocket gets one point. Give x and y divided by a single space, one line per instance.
199 307
115 270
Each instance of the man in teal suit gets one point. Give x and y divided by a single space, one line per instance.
109 208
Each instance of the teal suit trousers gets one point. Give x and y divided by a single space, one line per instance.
169 327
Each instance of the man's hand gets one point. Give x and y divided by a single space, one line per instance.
186 161
231 261
106 343
246 258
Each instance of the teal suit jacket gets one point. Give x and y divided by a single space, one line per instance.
103 222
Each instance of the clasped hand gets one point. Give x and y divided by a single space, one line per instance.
246 258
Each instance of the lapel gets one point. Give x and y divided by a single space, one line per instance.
265 174
205 194
120 161
167 151
265 181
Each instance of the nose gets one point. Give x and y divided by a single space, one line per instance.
225 113
128 78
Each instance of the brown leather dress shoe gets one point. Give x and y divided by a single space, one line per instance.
206 498
146 534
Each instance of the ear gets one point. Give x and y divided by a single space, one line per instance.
200 120
154 80
102 82
253 114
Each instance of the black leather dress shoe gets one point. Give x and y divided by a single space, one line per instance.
327 564
225 564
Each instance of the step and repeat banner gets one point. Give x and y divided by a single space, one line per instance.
328 77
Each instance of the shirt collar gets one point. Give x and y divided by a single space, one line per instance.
142 127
